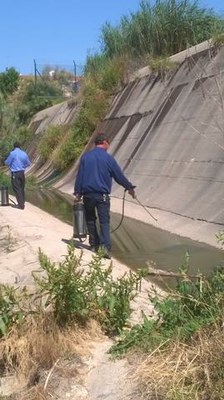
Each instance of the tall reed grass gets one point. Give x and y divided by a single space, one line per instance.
163 28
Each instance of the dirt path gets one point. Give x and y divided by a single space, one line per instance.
108 380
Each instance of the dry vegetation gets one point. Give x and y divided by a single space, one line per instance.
185 371
40 355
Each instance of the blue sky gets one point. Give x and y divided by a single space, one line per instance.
56 32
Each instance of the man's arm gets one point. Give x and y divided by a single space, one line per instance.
118 175
8 160
120 178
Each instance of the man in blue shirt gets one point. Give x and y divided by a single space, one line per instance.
18 161
93 182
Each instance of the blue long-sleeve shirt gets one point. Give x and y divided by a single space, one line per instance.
17 160
96 170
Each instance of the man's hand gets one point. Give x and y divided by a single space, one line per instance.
77 197
132 193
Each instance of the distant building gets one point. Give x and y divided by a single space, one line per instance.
51 73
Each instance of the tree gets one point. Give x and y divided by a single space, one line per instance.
9 81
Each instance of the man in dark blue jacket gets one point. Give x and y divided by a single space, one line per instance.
18 161
93 182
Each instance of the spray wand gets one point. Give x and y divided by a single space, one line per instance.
122 213
145 209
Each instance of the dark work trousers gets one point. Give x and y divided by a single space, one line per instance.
101 203
18 185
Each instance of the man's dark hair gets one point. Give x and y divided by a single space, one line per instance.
100 138
16 144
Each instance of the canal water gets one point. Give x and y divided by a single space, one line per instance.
137 244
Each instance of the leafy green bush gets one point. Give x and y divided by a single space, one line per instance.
31 182
4 179
32 98
106 73
94 107
10 312
9 81
20 134
76 295
65 153
220 238
218 39
194 304
50 140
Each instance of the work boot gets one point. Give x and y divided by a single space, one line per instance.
107 255
92 248
20 207
104 252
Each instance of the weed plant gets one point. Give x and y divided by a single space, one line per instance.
220 238
10 310
31 182
193 305
182 348
4 179
161 65
72 295
76 295
49 141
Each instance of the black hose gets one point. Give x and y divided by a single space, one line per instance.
12 201
122 213
146 209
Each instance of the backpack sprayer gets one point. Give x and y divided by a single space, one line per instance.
4 196
79 219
